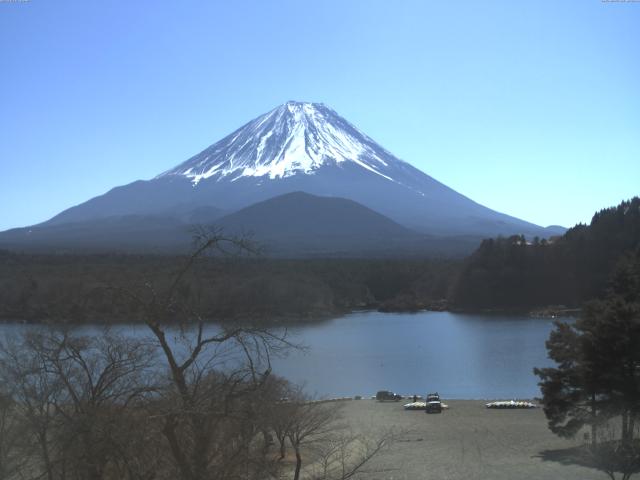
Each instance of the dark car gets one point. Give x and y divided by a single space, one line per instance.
385 395
434 405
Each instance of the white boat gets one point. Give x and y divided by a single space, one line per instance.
511 404
420 406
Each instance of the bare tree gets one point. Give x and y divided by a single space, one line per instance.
36 392
310 423
276 408
192 401
78 397
11 433
345 454
612 454
316 431
210 369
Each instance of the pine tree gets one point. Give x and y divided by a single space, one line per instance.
597 376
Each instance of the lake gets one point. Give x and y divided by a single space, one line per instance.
462 356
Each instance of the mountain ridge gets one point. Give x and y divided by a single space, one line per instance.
302 147
293 225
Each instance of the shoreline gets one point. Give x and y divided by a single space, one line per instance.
467 441
317 318
408 398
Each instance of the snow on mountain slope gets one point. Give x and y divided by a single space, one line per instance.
302 147
291 139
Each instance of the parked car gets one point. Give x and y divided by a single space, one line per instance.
385 395
434 405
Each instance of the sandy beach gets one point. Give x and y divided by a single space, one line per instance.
468 441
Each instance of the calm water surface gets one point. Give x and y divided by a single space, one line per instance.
466 356
459 355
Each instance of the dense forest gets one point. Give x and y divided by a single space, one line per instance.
513 273
84 288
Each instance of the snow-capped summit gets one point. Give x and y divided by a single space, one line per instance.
300 147
294 138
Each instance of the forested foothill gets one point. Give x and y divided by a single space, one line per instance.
503 274
517 273
53 288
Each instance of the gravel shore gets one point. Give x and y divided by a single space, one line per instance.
468 441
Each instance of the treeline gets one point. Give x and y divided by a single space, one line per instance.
513 273
80 288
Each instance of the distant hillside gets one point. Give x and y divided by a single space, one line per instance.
568 270
127 233
292 225
298 222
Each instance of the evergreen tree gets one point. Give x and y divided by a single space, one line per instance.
597 376
508 273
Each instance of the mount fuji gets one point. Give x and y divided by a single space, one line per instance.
296 147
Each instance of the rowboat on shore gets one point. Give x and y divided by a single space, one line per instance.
420 406
511 404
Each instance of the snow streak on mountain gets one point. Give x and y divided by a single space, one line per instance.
294 138
297 147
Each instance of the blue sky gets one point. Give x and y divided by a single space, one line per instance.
530 108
